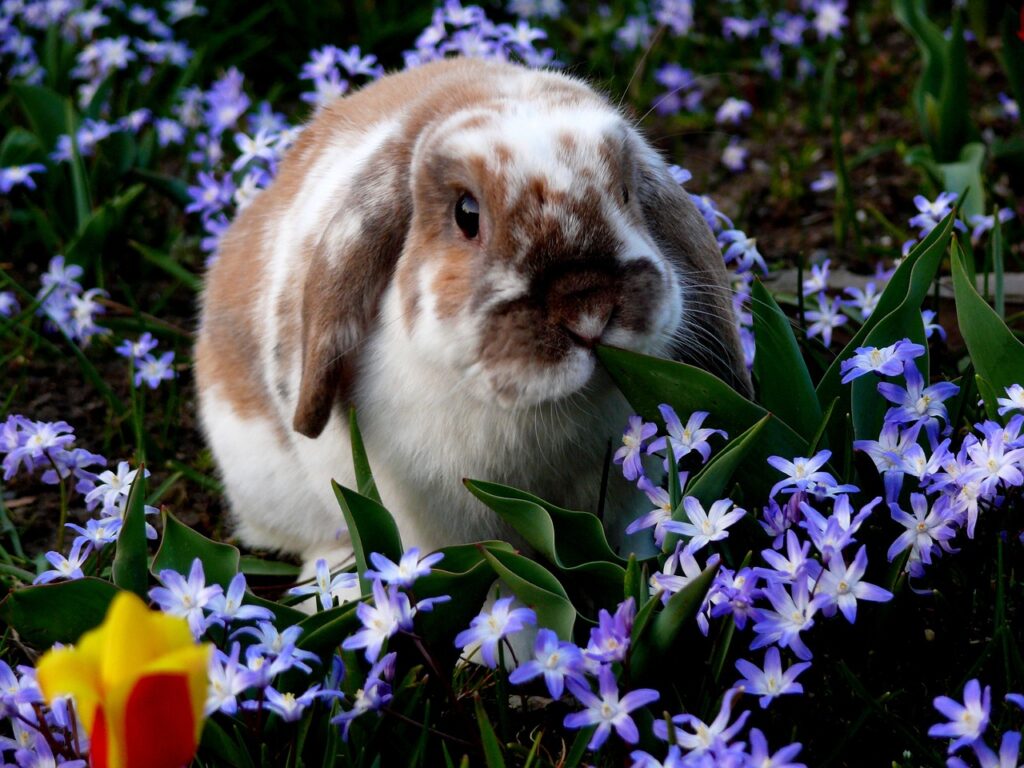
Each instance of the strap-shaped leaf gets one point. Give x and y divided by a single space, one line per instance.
569 539
129 568
365 483
537 587
906 282
649 381
784 383
58 612
371 528
997 355
493 757
181 545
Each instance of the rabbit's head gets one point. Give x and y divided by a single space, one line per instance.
519 228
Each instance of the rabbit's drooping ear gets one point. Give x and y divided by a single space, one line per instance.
352 265
709 338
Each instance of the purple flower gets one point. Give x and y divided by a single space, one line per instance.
186 597
771 681
830 535
925 530
39 442
826 182
983 223
373 696
69 567
137 350
683 440
895 454
409 568
761 756
389 613
829 18
325 587
818 280
734 156
633 439
152 370
735 594
8 304
19 175
227 607
825 319
802 473
98 533
742 250
778 520
793 613
556 660
609 640
677 15
211 195
918 404
228 679
489 628
795 565
733 111
705 737
886 361
1010 107
968 721
705 527
608 710
657 517
844 586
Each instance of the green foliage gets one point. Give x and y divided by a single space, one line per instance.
941 91
180 545
997 354
57 613
370 527
129 569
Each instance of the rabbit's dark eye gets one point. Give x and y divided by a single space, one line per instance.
625 194
467 215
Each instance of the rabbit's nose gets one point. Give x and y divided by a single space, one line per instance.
582 301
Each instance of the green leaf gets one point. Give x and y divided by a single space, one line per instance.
170 187
57 613
868 407
966 174
251 565
44 109
681 608
466 576
535 586
493 757
784 383
569 539
364 476
371 528
997 355
129 568
1012 53
181 545
907 283
170 265
573 542
323 632
20 147
649 381
87 247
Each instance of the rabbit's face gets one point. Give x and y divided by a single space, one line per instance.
528 246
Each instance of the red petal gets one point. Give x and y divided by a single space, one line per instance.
99 754
159 726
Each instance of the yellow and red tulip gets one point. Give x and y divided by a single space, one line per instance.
139 682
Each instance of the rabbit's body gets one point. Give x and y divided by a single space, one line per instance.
442 250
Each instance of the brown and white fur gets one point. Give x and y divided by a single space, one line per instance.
348 282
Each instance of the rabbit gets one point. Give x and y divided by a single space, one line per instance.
442 250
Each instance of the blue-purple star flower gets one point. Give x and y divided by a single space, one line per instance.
608 710
557 660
